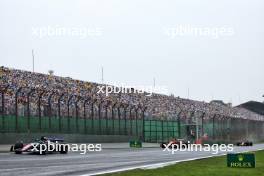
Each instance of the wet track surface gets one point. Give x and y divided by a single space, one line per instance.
91 163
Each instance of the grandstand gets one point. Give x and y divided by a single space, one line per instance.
73 106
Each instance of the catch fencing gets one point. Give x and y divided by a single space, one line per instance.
31 111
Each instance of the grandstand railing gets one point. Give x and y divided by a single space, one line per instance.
69 113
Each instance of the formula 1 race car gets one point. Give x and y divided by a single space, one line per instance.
41 146
244 143
176 143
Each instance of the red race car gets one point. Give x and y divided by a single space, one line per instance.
176 143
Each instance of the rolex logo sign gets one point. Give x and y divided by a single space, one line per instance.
241 160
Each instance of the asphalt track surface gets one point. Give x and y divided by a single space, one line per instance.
92 163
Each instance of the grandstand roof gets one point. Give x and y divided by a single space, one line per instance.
254 106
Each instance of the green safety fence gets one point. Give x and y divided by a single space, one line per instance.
71 125
223 130
159 131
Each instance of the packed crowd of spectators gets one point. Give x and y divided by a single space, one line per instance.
45 88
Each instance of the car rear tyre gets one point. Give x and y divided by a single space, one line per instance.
163 145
